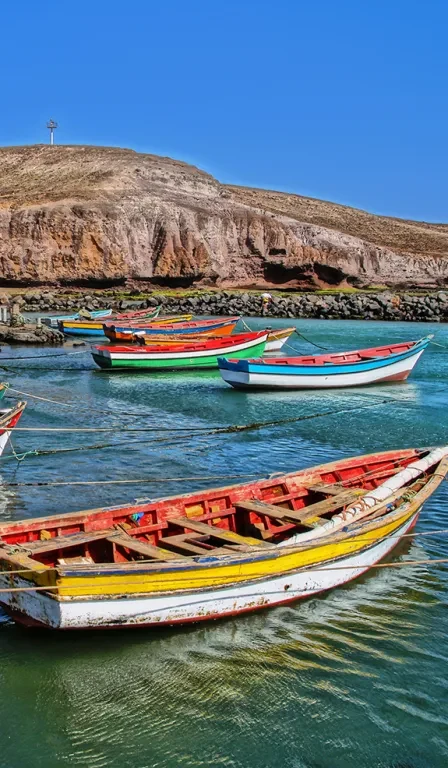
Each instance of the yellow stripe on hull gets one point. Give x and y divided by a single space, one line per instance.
190 578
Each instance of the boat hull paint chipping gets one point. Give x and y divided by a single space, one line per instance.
37 608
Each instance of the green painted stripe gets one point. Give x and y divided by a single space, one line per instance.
210 361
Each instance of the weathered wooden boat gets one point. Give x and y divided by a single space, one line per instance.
218 552
219 327
95 327
8 420
52 321
196 354
342 369
277 338
3 389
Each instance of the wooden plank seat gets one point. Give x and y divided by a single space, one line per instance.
184 544
307 513
218 533
331 488
142 547
63 542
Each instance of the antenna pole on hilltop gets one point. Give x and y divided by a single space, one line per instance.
51 125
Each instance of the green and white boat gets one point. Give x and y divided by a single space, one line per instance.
194 354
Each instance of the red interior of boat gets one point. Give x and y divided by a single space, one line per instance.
338 358
217 520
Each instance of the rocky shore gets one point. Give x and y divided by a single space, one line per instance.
430 307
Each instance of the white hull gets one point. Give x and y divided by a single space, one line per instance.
171 608
395 372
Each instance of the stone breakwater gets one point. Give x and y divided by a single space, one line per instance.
431 307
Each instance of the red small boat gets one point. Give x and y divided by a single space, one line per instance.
8 419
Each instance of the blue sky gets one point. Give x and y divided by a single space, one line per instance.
344 100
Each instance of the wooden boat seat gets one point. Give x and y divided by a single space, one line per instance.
330 488
217 533
184 544
63 542
301 516
142 547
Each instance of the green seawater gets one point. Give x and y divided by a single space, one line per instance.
357 678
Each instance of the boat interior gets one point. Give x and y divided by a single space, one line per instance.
339 358
220 521
205 344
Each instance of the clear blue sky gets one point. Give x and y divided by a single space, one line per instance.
344 100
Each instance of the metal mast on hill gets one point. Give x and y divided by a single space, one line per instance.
51 125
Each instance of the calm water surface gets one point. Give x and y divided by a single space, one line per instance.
358 677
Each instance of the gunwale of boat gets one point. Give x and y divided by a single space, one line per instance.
10 416
255 551
207 344
339 358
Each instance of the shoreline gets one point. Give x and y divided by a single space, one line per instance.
384 305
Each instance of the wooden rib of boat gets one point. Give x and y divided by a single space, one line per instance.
219 327
218 552
197 354
52 320
8 420
342 369
95 327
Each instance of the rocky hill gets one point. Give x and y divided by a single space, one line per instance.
74 214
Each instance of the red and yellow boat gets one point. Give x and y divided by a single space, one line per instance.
217 327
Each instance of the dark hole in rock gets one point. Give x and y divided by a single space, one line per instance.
329 275
278 273
277 251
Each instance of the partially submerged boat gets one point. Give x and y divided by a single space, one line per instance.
218 552
197 354
214 327
392 362
9 418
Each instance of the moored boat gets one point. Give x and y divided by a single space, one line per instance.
9 418
218 327
341 369
196 354
52 321
218 552
83 327
277 338
3 389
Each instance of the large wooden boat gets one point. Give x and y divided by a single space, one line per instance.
218 552
84 327
276 338
8 420
342 369
196 354
219 327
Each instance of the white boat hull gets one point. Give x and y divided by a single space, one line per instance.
37 608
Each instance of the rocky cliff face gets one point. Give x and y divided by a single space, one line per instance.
86 214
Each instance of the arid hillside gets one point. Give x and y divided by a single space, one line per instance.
74 214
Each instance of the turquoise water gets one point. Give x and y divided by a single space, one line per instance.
357 677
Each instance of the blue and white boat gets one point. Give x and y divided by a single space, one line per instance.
342 369
52 321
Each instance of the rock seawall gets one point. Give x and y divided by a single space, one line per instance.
431 307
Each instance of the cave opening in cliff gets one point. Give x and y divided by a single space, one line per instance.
184 281
277 274
90 282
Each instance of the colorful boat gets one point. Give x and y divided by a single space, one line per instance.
95 328
8 420
197 354
218 552
3 389
220 327
53 321
342 369
278 337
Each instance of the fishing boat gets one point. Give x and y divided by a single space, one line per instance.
52 321
3 389
95 327
341 369
196 354
219 327
217 552
8 420
277 338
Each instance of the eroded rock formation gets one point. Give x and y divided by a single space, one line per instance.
79 214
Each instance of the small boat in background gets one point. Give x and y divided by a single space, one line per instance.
278 337
53 321
219 327
217 552
95 327
341 369
8 419
197 354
